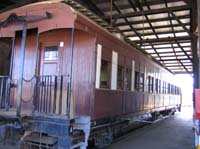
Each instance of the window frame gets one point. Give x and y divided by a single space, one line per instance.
107 86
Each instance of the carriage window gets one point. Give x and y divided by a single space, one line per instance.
168 88
173 89
159 86
141 87
120 77
152 84
163 87
156 85
104 74
149 83
128 79
137 81
51 53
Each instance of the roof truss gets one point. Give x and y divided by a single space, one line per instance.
150 25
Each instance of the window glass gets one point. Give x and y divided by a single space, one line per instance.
159 86
136 81
149 83
156 85
141 87
168 88
120 77
163 87
104 74
172 89
128 79
152 84
51 53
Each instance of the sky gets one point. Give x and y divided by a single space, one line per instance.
185 81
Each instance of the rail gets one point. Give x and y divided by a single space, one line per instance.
51 95
5 83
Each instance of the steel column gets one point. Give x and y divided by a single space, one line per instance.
21 68
12 58
36 71
196 78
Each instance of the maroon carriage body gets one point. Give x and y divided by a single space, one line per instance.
86 99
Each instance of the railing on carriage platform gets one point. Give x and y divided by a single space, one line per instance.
5 83
51 95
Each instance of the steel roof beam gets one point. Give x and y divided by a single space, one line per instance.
170 56
163 39
168 42
149 12
89 4
176 65
169 62
126 6
181 59
182 72
160 48
158 33
184 51
168 53
174 16
177 19
155 27
141 9
138 35
194 23
152 20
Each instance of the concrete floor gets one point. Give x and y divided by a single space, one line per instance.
172 133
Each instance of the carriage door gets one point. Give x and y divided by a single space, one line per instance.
49 59
49 68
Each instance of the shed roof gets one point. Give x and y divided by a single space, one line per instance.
163 29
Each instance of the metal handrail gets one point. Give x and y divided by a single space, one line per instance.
50 92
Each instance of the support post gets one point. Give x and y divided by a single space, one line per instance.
69 81
21 68
197 80
12 58
36 71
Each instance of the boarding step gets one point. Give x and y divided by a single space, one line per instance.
78 145
44 142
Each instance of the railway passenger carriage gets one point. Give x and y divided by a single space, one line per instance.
67 75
